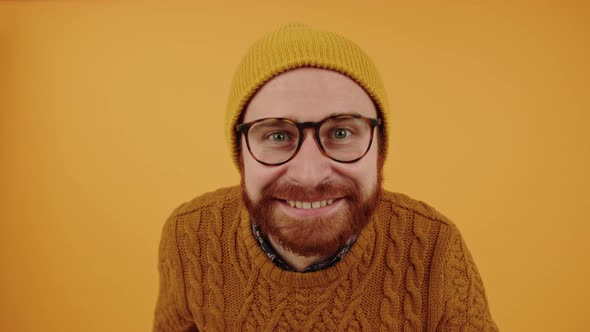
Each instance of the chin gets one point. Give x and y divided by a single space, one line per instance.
311 236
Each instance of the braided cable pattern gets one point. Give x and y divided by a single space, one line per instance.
195 271
390 307
340 301
322 302
299 306
280 303
255 319
239 256
172 308
214 273
291 320
365 324
415 274
262 302
241 263
248 300
458 286
359 280
250 324
168 316
467 304
328 321
353 325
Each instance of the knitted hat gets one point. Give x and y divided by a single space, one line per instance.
294 46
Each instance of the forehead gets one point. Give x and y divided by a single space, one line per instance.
309 94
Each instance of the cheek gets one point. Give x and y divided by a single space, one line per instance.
367 174
363 172
256 176
252 180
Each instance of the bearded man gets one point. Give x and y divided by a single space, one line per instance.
310 240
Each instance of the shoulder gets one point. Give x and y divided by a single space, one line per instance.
454 280
194 222
212 199
415 207
187 216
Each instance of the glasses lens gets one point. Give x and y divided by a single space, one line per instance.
273 141
345 138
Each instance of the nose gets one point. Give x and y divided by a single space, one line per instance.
309 167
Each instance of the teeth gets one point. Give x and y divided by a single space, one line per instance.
309 205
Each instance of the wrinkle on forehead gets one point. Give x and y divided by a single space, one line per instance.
309 94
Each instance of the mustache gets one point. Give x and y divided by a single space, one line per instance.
297 192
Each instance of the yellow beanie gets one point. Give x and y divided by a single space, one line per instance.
294 46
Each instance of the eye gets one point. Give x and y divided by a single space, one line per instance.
341 133
279 136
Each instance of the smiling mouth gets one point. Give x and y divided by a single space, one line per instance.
309 205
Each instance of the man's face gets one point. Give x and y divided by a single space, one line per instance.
310 94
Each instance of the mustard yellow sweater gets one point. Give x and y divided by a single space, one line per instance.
409 270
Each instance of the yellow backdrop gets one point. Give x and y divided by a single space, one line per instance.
111 114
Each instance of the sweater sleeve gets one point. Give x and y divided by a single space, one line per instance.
172 313
466 306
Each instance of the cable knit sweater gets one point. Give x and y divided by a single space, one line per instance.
409 270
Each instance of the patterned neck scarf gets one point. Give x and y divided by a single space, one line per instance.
278 261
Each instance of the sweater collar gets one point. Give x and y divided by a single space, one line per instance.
278 261
363 252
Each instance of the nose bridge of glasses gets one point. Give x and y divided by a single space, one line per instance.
307 129
309 164
308 135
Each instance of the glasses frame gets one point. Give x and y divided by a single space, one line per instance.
301 126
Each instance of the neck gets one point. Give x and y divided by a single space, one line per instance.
298 263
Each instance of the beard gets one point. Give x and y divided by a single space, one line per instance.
313 236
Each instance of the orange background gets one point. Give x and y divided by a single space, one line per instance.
112 114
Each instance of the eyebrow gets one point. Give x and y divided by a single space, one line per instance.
269 122
329 116
345 113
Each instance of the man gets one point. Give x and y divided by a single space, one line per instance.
310 240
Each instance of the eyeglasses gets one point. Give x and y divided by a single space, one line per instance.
345 138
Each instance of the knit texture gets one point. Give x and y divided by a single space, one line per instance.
294 46
409 270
